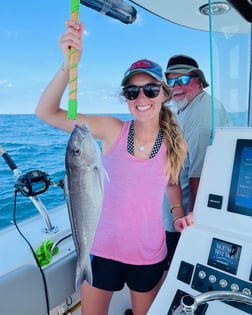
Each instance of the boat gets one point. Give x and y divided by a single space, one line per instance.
211 272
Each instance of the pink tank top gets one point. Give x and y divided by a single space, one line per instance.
131 226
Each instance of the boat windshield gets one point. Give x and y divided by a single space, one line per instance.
230 63
229 26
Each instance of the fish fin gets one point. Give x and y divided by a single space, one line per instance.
106 175
102 174
83 274
65 187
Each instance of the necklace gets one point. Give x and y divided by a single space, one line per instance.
133 142
141 148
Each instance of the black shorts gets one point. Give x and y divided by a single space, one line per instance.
172 239
111 275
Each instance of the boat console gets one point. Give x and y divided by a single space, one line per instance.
215 255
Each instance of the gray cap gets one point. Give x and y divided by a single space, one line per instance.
184 64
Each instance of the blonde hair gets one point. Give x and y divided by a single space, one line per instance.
176 147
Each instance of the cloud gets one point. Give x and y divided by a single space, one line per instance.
5 83
9 33
139 20
86 33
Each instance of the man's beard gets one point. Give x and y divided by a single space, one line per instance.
181 104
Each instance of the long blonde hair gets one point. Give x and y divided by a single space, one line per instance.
176 147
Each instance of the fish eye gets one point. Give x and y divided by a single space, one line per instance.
76 152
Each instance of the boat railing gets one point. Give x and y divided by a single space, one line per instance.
49 227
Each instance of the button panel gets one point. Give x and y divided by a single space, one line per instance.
214 280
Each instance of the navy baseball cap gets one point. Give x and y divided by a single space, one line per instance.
146 66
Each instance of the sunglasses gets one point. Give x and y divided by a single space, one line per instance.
183 80
150 90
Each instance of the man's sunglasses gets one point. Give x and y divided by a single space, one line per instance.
183 80
150 90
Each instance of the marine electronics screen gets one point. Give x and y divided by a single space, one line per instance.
240 196
224 255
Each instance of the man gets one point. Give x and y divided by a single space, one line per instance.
194 114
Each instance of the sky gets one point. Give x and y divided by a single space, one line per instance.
30 53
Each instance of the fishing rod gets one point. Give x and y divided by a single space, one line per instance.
31 184
116 9
74 58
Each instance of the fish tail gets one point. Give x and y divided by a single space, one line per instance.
83 274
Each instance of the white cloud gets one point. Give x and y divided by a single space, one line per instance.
5 83
139 20
86 33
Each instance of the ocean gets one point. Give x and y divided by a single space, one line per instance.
33 145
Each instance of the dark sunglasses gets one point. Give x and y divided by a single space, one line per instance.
183 80
150 90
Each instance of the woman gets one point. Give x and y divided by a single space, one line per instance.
143 158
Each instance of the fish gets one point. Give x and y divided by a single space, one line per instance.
84 190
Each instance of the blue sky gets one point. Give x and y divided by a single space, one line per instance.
30 53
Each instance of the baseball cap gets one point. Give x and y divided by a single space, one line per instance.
146 66
184 64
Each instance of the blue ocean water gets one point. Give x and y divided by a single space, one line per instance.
33 145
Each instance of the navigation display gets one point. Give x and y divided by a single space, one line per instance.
240 196
224 255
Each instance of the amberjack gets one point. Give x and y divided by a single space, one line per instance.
84 183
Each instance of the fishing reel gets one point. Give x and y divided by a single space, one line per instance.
32 183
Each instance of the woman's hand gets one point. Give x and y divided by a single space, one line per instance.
71 38
181 223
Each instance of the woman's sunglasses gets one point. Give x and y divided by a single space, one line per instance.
150 90
183 80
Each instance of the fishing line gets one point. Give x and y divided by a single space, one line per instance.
33 252
74 58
